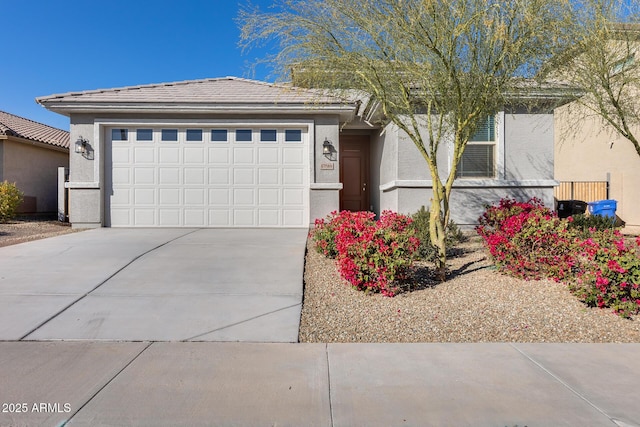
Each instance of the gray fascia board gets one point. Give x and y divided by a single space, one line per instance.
346 112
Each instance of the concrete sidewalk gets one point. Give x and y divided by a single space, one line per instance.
248 384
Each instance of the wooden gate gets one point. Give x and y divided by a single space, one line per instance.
587 191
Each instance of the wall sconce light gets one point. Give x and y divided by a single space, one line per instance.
81 145
327 146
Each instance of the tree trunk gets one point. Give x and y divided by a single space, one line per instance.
437 232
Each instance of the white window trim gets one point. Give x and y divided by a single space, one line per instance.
498 152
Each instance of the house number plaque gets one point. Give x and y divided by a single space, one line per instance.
326 166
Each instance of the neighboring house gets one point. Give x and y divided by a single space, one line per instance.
30 154
230 152
591 153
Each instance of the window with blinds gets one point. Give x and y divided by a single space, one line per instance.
478 159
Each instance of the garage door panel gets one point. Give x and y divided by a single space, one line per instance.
144 155
243 176
219 176
194 196
219 197
121 154
144 176
268 176
292 155
144 217
194 176
194 217
169 196
121 176
121 217
169 217
194 156
169 176
219 155
268 217
121 196
244 196
219 217
292 217
293 176
268 156
269 196
293 197
243 156
144 196
169 155
208 183
243 217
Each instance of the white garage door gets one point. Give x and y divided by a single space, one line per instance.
207 177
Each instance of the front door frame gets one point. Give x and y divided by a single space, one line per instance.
354 147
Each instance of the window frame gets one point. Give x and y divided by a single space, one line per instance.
495 143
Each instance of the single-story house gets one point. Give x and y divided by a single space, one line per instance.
232 152
30 155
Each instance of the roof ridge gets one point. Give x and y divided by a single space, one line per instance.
167 84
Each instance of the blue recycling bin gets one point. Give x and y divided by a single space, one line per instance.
604 208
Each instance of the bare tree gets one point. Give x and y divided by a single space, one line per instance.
604 65
437 68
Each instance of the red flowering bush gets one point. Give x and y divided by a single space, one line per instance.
325 230
609 273
371 255
528 241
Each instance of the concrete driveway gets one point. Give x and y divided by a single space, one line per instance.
154 285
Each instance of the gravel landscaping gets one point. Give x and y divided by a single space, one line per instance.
27 229
477 304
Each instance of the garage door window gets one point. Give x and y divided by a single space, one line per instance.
169 134
268 135
244 135
144 134
292 135
219 135
119 134
194 135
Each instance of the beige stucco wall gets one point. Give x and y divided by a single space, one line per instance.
590 152
34 169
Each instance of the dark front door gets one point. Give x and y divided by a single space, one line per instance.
354 172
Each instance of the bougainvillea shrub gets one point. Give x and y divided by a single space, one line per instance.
609 273
371 255
324 233
528 241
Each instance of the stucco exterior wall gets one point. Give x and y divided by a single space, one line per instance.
592 152
35 171
529 145
524 163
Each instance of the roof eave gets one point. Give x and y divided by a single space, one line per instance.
346 111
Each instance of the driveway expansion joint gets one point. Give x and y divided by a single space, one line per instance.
101 284
567 386
133 359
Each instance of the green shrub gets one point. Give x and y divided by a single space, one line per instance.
10 199
426 251
588 223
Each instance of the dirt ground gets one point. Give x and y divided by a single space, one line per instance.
26 229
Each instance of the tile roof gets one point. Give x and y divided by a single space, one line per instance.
225 90
12 125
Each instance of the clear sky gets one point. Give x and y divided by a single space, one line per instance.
58 46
